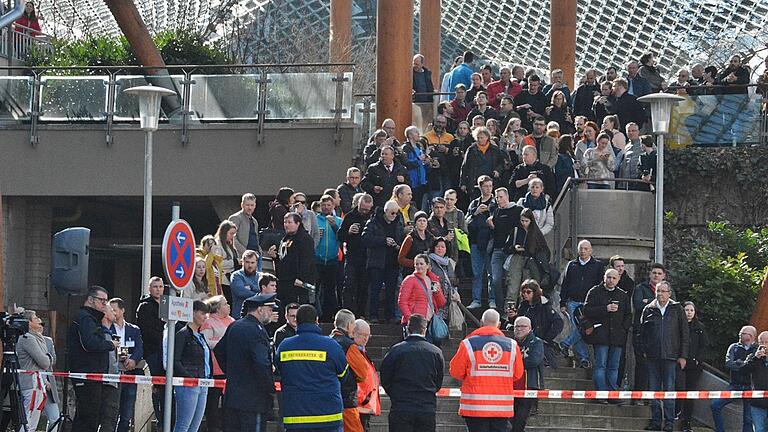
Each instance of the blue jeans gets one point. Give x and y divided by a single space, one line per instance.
606 370
497 277
758 418
190 407
574 340
661 376
481 265
717 410
127 406
388 278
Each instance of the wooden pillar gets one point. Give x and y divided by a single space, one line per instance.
562 38
129 20
2 255
760 315
394 53
429 38
341 31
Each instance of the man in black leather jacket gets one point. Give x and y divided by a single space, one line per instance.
89 352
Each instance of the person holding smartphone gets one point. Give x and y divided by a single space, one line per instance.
609 308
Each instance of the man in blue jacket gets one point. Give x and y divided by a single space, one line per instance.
480 234
327 258
311 366
462 74
89 352
244 354
244 282
735 359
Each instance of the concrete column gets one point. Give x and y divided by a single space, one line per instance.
341 31
562 38
394 53
37 264
14 248
429 37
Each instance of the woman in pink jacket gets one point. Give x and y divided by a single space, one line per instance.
420 292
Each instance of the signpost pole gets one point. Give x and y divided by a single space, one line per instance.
171 329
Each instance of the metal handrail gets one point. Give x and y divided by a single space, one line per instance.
572 181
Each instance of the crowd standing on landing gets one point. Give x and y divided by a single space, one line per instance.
470 199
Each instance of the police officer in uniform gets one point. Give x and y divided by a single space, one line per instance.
245 355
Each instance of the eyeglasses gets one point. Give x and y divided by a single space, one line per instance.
527 292
100 299
392 213
301 201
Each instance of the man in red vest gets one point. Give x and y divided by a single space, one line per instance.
488 364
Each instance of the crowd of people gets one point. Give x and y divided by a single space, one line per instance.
470 199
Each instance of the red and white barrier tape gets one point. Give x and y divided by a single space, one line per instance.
445 392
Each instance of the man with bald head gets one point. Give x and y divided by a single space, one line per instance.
487 363
581 274
735 359
609 309
532 350
368 400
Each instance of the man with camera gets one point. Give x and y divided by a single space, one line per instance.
735 359
131 361
530 168
757 366
89 348
610 310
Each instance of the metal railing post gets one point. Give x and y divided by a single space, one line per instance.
338 110
111 89
261 109
35 113
185 95
574 219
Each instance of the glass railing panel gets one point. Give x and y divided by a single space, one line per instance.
715 120
293 96
225 97
15 98
73 98
127 105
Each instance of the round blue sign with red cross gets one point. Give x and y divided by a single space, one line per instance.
179 253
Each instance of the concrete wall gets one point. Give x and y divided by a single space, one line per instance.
219 160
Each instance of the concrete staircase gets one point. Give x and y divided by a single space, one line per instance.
553 415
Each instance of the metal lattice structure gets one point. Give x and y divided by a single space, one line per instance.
609 32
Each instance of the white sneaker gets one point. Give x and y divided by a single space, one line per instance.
492 304
474 305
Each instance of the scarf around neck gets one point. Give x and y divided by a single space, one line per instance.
532 203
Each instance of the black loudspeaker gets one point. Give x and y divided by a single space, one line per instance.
69 260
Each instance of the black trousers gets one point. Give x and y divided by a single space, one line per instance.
641 372
214 414
523 408
411 422
688 381
245 421
110 407
327 276
355 292
486 424
89 396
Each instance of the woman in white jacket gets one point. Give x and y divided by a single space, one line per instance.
540 203
33 355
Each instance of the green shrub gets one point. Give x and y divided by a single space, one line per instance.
722 273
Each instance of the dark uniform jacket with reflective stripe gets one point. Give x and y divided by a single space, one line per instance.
311 366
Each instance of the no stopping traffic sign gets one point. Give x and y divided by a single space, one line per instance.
179 253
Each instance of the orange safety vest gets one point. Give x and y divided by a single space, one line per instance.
488 364
368 398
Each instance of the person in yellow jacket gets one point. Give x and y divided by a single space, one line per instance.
488 364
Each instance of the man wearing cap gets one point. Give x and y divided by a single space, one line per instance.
311 366
244 354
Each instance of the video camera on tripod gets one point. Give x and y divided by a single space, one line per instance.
12 327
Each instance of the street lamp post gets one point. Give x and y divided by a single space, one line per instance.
661 109
149 115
